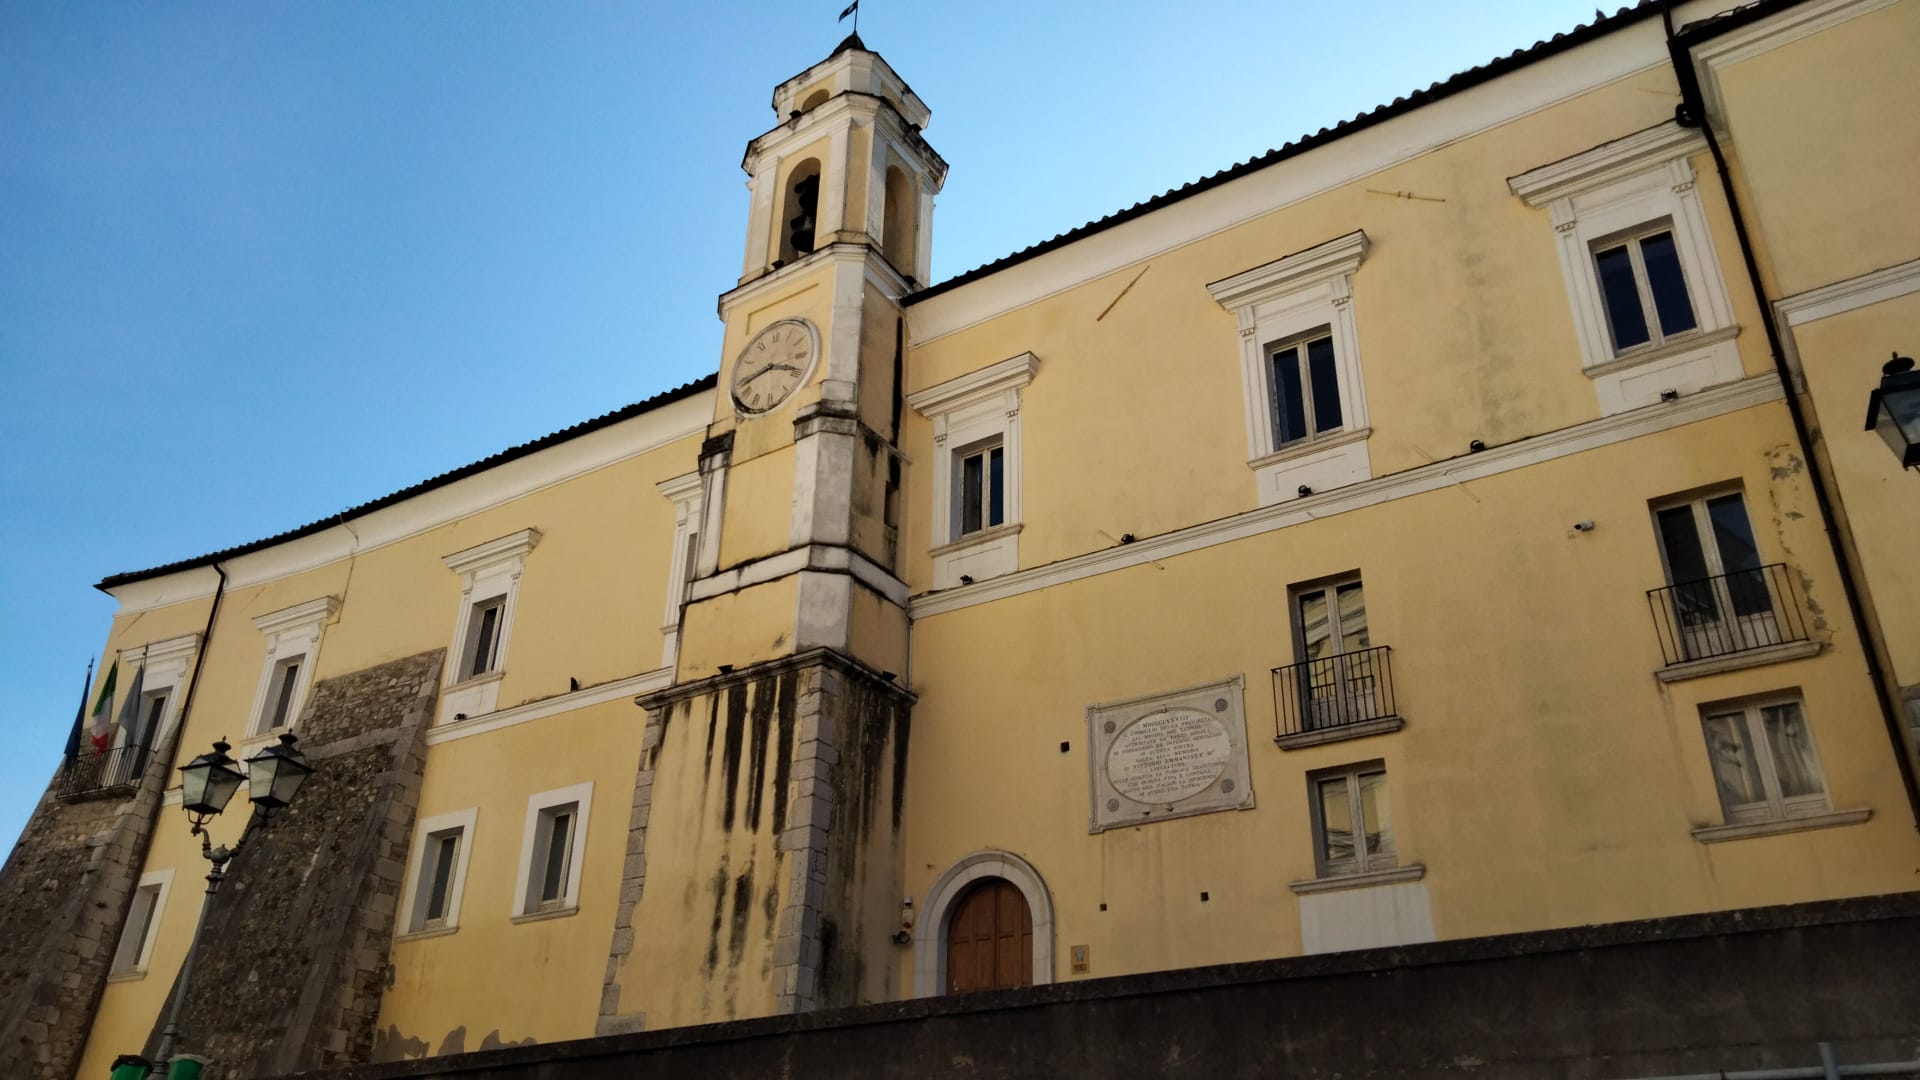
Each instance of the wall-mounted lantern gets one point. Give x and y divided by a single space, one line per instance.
1893 409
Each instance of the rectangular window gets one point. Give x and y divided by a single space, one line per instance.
1765 767
434 888
483 637
138 742
1643 288
982 486
1306 389
553 856
551 853
281 687
437 873
1338 676
1352 820
143 915
1720 594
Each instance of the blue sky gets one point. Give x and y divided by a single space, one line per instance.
256 259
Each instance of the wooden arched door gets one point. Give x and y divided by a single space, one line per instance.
989 939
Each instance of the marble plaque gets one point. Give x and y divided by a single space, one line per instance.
1169 755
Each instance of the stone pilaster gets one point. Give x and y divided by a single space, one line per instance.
64 894
633 882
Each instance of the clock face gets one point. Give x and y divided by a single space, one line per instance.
773 365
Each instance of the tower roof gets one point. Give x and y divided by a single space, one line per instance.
852 41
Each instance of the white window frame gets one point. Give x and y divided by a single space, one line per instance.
161 882
487 571
967 412
982 449
1361 863
292 633
580 794
1776 807
686 494
412 899
166 664
1295 299
1641 183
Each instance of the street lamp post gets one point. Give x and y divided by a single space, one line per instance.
207 783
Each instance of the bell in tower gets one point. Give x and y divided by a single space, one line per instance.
806 199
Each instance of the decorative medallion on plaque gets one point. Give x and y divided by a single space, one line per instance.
1169 755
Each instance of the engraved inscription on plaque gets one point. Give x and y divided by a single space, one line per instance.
1169 755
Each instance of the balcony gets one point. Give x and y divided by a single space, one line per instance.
1728 622
108 773
1346 696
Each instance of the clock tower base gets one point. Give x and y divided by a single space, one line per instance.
779 850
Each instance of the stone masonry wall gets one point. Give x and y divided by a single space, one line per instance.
293 964
64 894
1693 994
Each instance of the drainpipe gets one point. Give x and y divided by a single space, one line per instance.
200 662
1693 113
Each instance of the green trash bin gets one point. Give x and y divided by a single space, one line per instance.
130 1067
186 1067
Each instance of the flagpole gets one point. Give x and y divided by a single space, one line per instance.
80 715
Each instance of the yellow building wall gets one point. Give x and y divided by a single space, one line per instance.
1544 776
451 992
1841 357
759 510
1443 362
705 926
1826 141
589 607
738 628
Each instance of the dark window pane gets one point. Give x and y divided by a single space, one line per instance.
1681 541
284 701
1326 385
554 885
1733 533
1668 284
970 480
1289 407
1739 556
483 641
442 877
1622 297
996 486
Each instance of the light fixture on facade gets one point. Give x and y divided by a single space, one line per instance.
207 785
1893 409
276 773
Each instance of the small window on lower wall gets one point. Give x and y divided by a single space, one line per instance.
1765 767
143 918
437 874
551 852
1352 820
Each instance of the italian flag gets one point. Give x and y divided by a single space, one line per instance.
101 731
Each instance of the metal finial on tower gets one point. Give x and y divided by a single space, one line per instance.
852 9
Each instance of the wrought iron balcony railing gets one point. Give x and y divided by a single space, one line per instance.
1727 614
106 771
1334 692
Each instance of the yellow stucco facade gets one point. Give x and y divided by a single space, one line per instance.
806 675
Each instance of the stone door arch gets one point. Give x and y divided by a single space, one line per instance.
930 935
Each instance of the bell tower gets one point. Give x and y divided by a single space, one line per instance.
772 781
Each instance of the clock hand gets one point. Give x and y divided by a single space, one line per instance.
769 367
